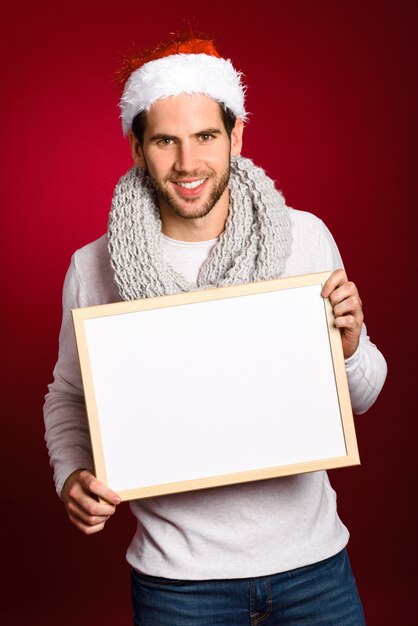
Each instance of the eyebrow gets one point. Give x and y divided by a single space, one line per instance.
205 131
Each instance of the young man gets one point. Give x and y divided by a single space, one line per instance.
191 214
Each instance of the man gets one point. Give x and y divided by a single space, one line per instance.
193 214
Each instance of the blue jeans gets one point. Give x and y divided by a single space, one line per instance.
323 594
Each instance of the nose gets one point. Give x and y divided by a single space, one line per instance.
186 158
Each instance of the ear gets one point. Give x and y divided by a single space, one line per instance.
136 150
236 137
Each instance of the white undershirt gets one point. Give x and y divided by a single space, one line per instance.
186 257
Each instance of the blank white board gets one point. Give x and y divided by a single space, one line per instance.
215 387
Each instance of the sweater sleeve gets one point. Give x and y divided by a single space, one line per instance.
67 433
366 369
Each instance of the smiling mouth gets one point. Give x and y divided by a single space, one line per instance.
190 185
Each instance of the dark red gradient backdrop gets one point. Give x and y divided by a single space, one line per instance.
332 91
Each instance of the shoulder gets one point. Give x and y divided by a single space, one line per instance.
94 249
306 224
313 247
92 269
93 254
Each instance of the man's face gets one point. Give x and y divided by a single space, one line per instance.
187 151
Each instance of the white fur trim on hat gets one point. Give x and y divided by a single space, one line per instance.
182 73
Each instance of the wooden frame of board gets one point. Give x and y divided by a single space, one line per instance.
215 387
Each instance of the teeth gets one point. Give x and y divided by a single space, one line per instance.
192 185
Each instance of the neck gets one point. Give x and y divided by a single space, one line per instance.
195 231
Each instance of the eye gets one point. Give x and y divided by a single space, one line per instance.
205 137
165 141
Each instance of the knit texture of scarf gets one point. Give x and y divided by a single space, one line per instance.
253 247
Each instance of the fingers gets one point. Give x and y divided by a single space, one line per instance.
92 485
347 308
337 278
351 306
80 494
86 523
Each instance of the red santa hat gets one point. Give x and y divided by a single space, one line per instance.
189 66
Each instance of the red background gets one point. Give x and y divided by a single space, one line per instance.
332 90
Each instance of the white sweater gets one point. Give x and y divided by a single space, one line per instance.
246 530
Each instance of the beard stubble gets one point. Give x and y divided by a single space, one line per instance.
171 201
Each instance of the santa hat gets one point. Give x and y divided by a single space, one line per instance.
189 66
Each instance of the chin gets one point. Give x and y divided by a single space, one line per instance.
191 213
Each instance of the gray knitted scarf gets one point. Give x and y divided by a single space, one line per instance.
253 247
